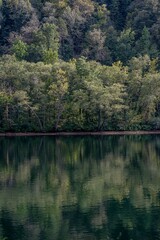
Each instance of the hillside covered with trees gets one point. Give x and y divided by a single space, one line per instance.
79 65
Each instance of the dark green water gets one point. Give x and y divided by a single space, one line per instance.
85 188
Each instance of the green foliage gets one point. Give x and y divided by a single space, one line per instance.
19 48
78 95
144 44
45 44
88 65
125 45
106 33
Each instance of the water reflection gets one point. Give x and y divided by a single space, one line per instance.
66 188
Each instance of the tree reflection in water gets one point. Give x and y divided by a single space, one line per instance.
103 187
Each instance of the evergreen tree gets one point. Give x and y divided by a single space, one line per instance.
145 46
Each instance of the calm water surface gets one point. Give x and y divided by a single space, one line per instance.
85 188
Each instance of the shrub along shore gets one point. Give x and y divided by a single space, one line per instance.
79 95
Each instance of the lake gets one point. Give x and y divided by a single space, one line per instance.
80 188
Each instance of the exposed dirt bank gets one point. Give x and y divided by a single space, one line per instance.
107 133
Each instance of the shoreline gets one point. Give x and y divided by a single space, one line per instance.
103 133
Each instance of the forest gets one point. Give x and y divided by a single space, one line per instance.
79 65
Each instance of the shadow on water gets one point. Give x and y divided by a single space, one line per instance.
64 188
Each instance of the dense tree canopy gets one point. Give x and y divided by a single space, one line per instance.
79 65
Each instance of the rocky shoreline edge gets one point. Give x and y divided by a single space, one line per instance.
99 133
